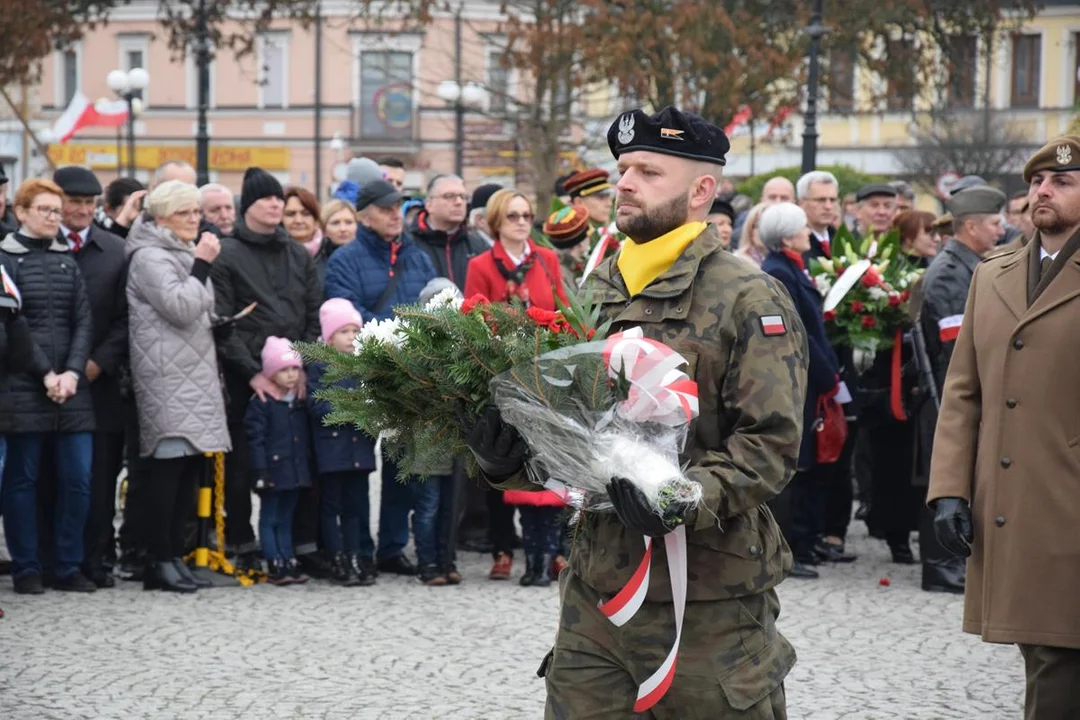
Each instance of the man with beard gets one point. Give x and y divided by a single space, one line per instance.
1005 462
747 350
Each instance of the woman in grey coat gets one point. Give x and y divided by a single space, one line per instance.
174 370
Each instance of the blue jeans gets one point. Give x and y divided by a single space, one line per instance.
74 453
393 513
345 513
426 496
275 523
540 529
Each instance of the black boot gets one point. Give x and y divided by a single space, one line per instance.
343 573
277 572
901 552
314 565
165 576
542 563
529 578
364 568
945 576
185 572
296 572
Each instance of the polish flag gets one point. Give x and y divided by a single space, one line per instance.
81 113
949 328
741 116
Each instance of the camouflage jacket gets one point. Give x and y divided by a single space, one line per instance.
572 269
711 308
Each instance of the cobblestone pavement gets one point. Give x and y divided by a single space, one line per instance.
402 650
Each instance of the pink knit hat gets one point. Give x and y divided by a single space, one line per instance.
278 354
335 314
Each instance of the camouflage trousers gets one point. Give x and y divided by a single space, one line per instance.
732 661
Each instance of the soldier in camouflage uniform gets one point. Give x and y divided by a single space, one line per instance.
747 351
978 226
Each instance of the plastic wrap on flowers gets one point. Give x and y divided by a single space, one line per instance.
599 410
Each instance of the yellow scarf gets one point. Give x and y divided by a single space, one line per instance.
641 264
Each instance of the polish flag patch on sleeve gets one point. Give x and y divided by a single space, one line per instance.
773 325
949 328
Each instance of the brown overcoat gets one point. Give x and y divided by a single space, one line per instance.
1008 440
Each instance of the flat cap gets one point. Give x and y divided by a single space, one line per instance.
875 190
968 181
1059 155
76 180
978 200
669 132
587 182
568 227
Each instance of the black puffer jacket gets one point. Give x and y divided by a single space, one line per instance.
450 254
279 274
57 312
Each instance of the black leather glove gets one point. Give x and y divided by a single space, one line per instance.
499 449
952 525
634 510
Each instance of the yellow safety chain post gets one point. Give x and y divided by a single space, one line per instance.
203 555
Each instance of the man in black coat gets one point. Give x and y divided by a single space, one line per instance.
259 263
441 231
101 260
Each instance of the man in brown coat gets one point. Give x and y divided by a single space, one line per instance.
1006 464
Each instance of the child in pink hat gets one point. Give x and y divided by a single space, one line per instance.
280 444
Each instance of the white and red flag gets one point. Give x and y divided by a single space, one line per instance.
81 113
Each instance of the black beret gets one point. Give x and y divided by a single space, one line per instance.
722 207
77 181
875 190
482 194
670 132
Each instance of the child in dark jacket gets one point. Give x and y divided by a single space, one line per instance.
279 437
344 457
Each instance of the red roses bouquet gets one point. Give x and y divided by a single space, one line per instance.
867 287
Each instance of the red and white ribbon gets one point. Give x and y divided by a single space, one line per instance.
659 392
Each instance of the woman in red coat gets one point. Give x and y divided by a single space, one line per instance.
517 268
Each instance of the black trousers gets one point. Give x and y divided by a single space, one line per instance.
894 499
1053 675
840 494
131 541
169 502
238 531
500 523
99 537
800 508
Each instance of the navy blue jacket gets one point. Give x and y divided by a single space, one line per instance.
360 271
824 368
279 435
338 448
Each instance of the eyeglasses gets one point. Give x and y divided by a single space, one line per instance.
516 217
47 212
451 197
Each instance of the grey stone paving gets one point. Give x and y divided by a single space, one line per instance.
401 650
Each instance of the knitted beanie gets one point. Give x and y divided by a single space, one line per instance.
258 184
278 354
335 314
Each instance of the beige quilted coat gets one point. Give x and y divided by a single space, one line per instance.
173 359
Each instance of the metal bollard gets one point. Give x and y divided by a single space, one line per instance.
206 488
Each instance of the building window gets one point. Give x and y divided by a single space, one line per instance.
1076 68
498 83
386 90
134 53
1026 70
841 82
963 62
273 70
900 89
70 74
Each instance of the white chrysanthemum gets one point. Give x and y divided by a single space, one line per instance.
823 284
450 296
877 293
384 331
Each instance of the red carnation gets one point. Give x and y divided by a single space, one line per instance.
905 295
541 316
895 300
868 321
857 306
830 315
474 302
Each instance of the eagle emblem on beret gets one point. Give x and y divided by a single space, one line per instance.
1064 154
626 128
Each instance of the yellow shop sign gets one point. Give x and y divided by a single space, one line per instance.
148 157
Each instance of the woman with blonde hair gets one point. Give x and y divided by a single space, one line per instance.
338 221
751 248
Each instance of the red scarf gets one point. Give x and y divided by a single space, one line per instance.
795 258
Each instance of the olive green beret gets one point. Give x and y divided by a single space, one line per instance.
1059 155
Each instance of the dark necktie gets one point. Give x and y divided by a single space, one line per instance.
76 240
1044 266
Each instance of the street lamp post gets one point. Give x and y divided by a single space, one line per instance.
810 135
202 63
128 85
463 97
